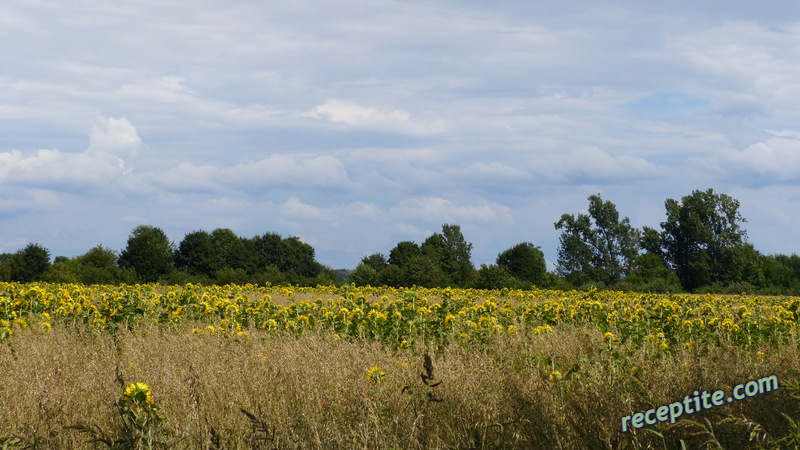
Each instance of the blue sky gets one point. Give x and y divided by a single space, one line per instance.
358 124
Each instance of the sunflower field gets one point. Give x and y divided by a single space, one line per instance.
246 366
403 317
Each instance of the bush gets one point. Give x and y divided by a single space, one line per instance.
494 277
364 275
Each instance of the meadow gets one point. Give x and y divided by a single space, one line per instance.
153 366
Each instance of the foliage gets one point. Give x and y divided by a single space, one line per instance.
364 275
651 274
140 423
402 252
452 252
376 260
701 247
703 242
99 266
423 270
598 246
149 253
195 254
494 277
525 262
781 274
395 315
29 264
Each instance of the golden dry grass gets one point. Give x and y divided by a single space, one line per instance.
312 391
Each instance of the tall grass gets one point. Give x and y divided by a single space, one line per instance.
566 389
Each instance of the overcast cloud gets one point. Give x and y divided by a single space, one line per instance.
357 124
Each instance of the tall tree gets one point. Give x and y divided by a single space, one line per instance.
597 246
376 260
453 254
195 254
98 266
300 258
268 250
703 242
149 253
229 249
30 263
525 262
424 271
364 275
402 252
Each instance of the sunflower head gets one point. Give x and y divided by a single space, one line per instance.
375 374
138 394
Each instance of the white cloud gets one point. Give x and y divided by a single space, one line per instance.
491 171
322 171
439 210
746 68
374 119
396 120
274 171
362 210
293 208
188 177
110 135
588 165
773 161
171 94
100 165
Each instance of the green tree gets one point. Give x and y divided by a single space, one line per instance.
63 270
402 252
149 253
268 251
494 277
391 276
288 255
651 274
453 254
195 254
703 242
5 266
300 259
229 249
30 263
525 262
364 275
597 246
376 260
98 266
424 271
781 274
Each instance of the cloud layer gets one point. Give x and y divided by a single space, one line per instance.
360 124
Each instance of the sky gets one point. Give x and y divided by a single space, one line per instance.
355 125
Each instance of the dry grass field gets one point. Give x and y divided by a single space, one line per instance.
561 384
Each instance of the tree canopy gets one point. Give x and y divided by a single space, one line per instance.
702 241
149 253
701 246
525 262
598 246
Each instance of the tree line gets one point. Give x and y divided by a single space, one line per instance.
701 246
202 257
